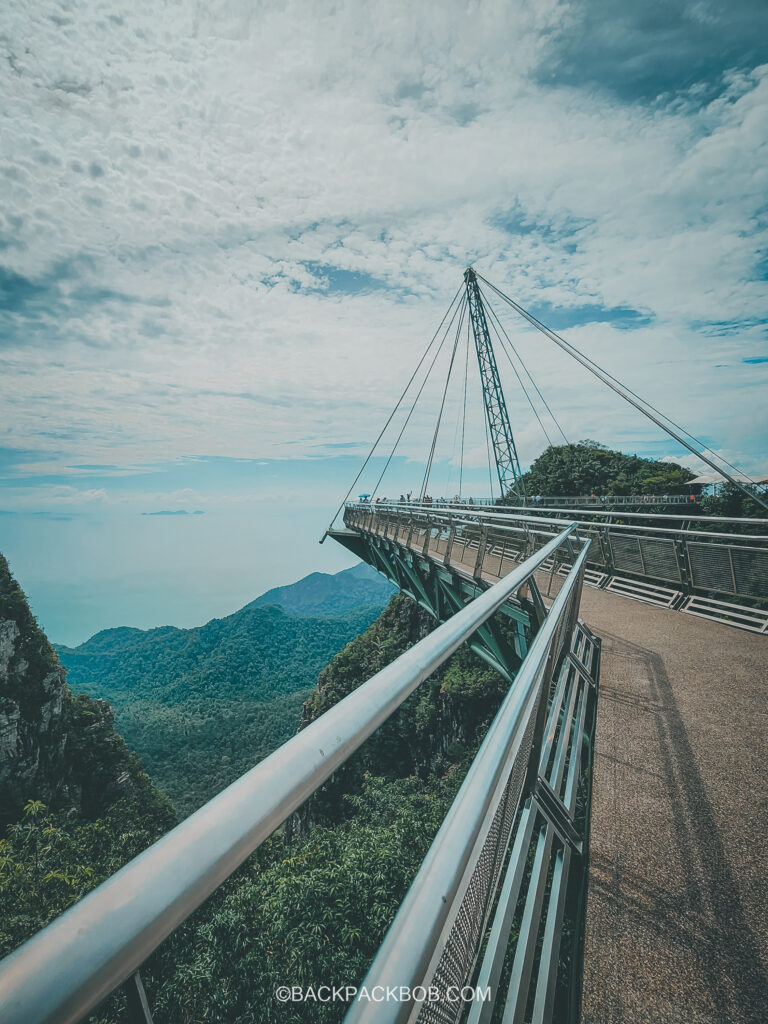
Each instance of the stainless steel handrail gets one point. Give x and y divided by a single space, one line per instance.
526 510
697 516
410 943
66 969
499 516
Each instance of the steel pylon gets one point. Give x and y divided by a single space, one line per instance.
505 452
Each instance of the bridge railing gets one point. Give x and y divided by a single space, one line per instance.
618 500
435 941
693 559
65 970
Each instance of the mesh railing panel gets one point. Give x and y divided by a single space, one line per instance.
750 566
626 554
466 935
729 569
710 567
660 558
458 957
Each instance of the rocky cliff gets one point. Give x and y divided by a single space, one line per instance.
54 747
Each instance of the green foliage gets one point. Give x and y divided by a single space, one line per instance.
202 706
310 915
59 749
591 468
438 725
194 749
732 501
321 594
48 861
311 912
254 653
33 651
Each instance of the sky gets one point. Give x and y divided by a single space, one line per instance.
229 230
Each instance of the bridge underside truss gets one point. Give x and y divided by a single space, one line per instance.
443 591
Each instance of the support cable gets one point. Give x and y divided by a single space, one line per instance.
442 404
391 415
527 371
418 395
629 396
452 460
488 453
464 417
520 381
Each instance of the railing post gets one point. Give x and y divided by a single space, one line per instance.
481 551
137 1009
682 564
605 544
425 549
449 545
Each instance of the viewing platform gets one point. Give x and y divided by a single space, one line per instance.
676 919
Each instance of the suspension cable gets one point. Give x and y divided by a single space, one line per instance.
520 381
391 415
452 461
442 404
488 453
464 417
527 371
418 395
623 392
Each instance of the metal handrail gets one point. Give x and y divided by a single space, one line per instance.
694 516
524 511
567 501
69 967
499 517
413 938
695 561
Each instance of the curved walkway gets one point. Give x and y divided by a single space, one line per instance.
677 919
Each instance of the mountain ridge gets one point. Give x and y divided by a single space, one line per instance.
202 705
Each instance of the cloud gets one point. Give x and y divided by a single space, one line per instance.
206 249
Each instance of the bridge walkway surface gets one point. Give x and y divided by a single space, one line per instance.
676 923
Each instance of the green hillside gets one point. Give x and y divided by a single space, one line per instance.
318 907
201 706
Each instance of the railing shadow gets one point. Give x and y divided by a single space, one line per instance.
706 914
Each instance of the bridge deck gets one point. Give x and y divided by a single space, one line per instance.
676 926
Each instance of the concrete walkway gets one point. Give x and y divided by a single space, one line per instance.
677 918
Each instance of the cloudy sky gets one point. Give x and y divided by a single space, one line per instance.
228 231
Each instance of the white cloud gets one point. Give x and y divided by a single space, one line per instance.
171 174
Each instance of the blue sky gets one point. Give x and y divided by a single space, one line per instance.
228 231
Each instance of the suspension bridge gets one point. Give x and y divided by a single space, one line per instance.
603 858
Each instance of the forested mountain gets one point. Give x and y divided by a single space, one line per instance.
201 706
322 594
591 468
318 907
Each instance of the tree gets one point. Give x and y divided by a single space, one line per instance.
590 468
